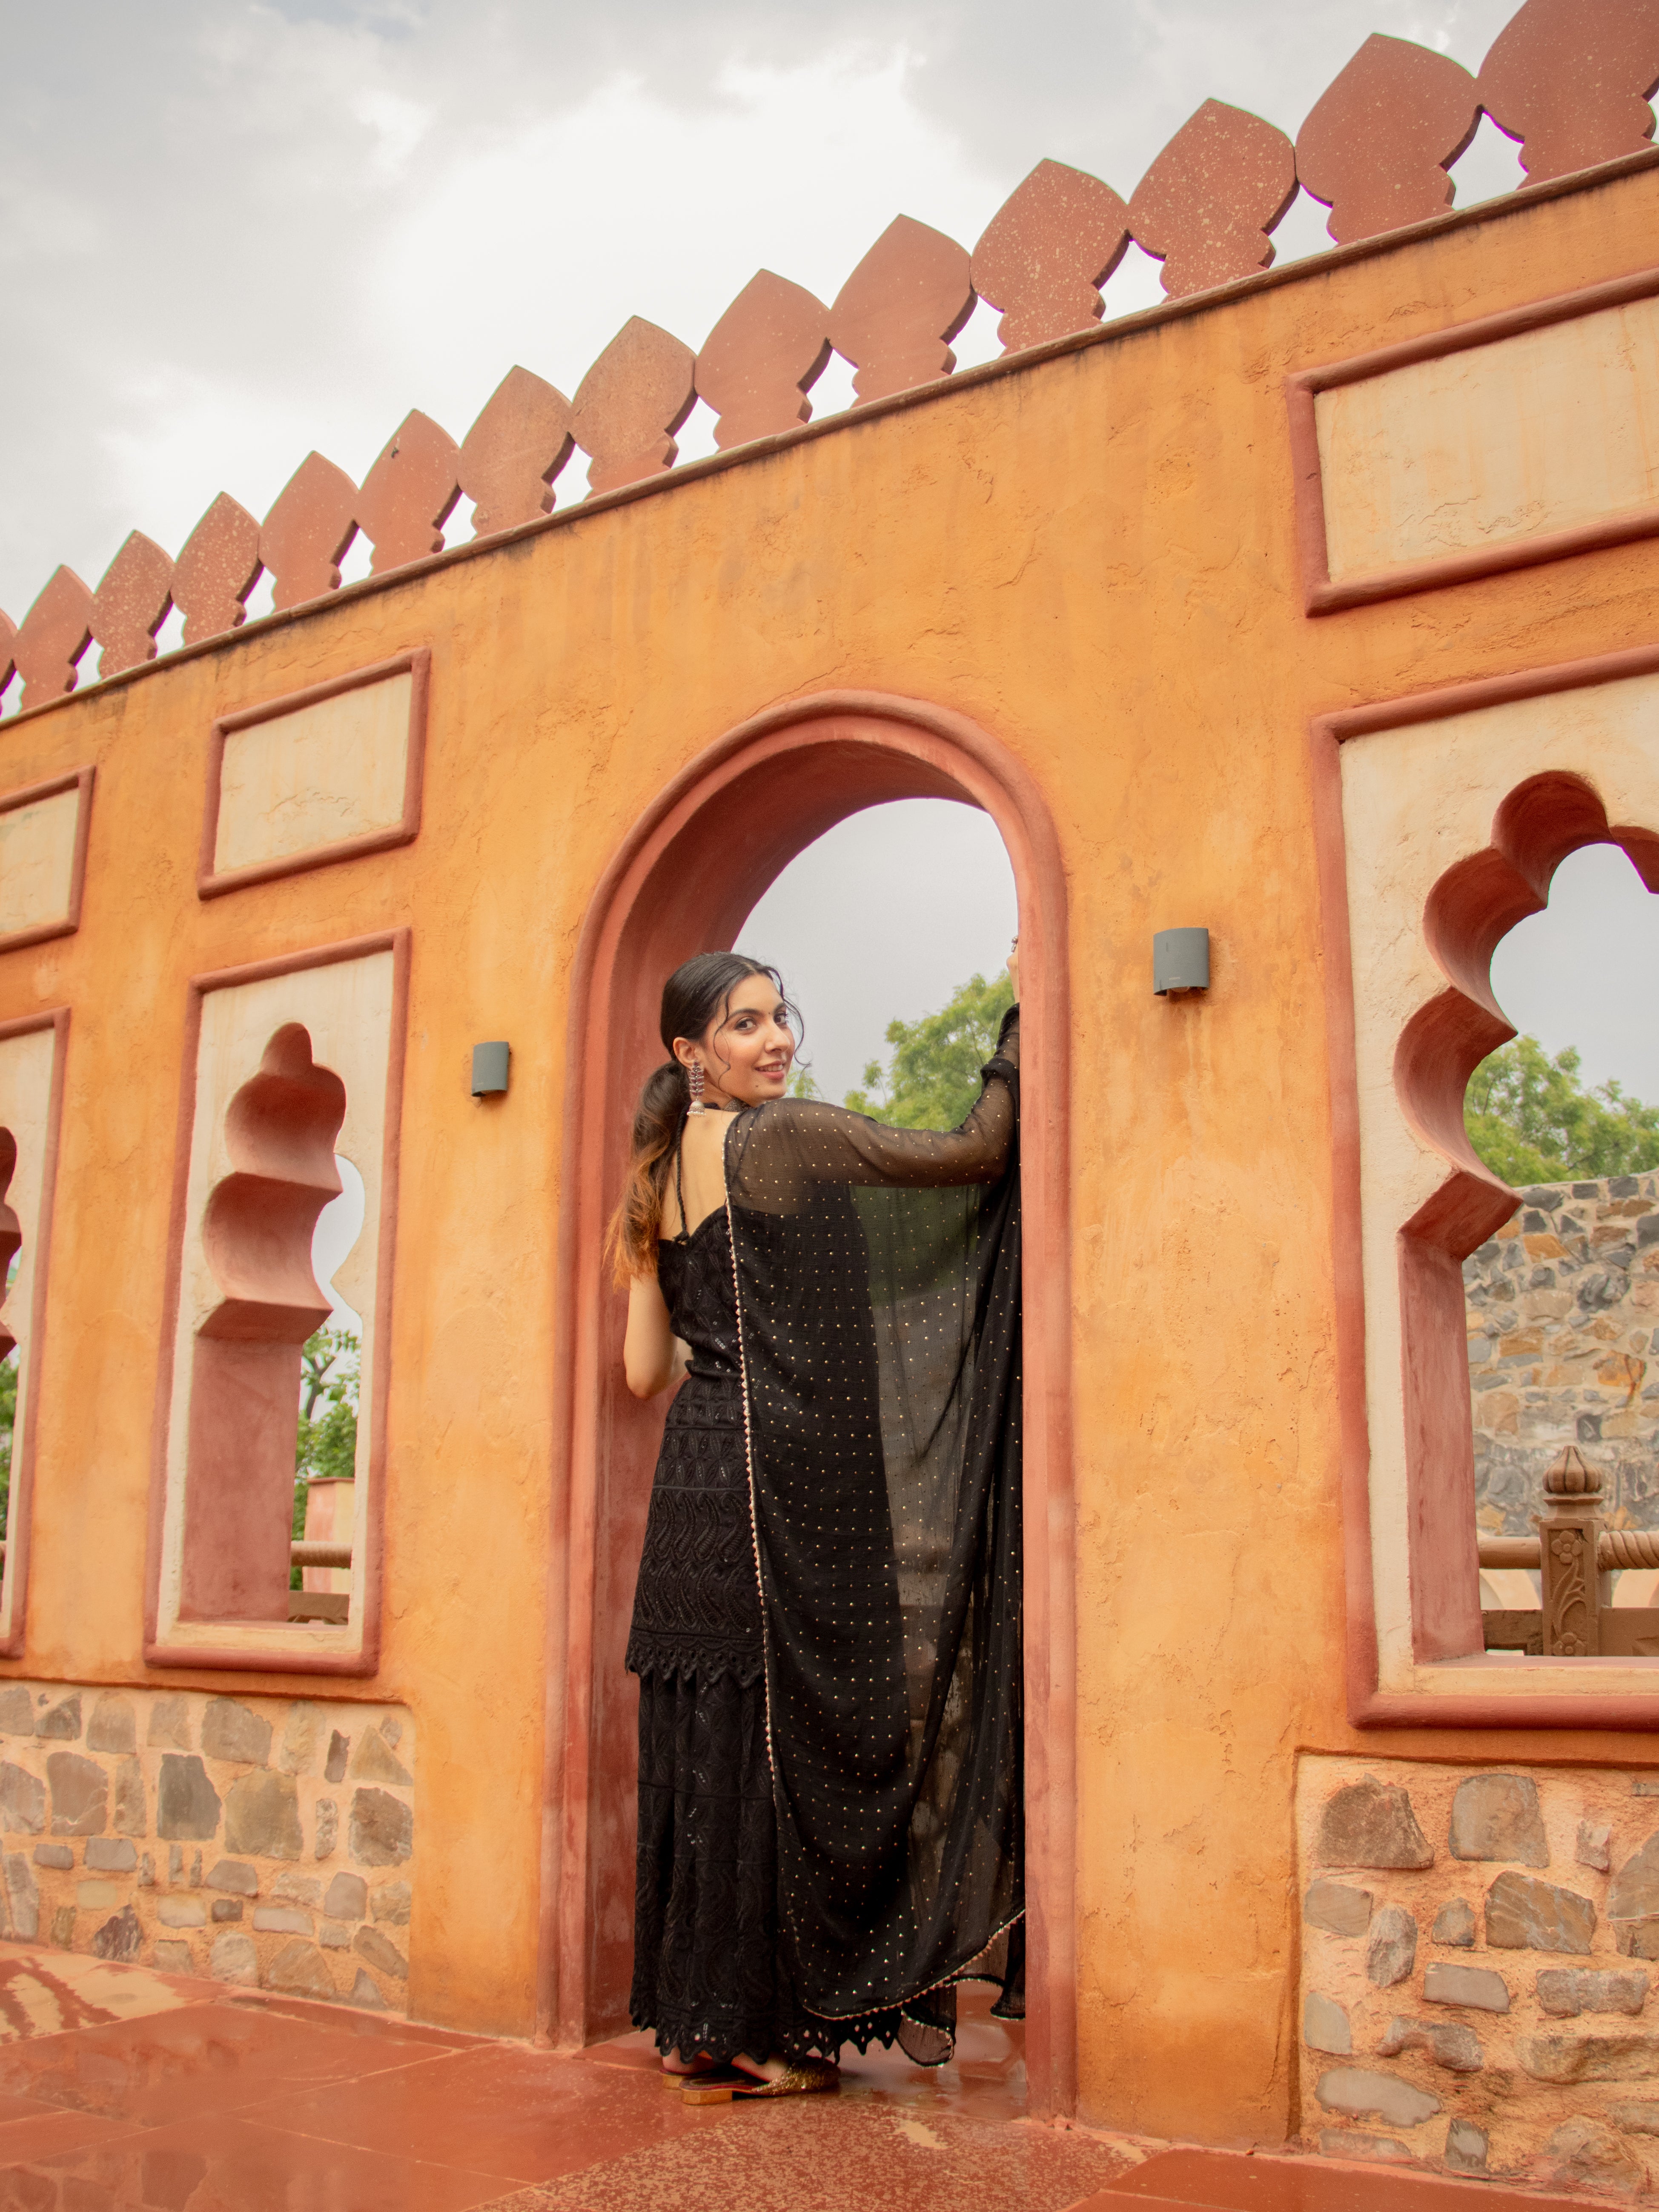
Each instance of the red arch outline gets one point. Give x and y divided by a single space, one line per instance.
683 878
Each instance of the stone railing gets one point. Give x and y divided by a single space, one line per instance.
1568 82
1576 1556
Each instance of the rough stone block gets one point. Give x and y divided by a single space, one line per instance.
391 1728
232 1731
97 1896
328 1828
169 1724
1454 1924
335 1936
1336 1908
80 1794
131 1816
174 1956
146 1871
302 1970
1465 2148
186 1803
1449 2043
1476 1986
1637 1938
181 1912
109 1855
1594 1846
1371 1824
347 1898
339 1746
113 1725
281 1920
62 1927
365 1991
261 1816
390 1904
372 1761
1566 1992
1525 1914
227 1908
1607 2057
1591 2155
22 1898
1391 1949
1354 2142
298 1888
22 1800
120 1937
59 1720
235 1959
1636 2117
300 1730
381 1952
58 1856
1366 2095
1635 1890
382 1829
1325 2027
16 1711
232 1875
1496 1816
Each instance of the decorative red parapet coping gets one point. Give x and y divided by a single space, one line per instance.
1569 83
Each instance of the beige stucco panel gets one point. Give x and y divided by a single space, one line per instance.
347 1009
37 862
315 777
25 1069
1546 431
1415 801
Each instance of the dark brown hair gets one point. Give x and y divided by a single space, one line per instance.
698 992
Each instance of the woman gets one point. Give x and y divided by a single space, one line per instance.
826 1626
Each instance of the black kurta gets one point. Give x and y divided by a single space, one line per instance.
827 1621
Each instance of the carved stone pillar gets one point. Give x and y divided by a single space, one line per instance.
1567 1530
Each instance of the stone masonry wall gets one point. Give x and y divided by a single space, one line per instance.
1476 1991
1563 1308
264 1842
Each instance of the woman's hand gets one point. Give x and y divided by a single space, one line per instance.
653 1356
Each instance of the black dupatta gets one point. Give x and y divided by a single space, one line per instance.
877 1280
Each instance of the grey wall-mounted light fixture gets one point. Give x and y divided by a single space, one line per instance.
1181 961
490 1063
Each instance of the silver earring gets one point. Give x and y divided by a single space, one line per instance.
695 1080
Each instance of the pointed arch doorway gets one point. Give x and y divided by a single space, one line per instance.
684 881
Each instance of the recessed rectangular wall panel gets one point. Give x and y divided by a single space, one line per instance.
31 1085
1492 445
43 858
245 1200
320 775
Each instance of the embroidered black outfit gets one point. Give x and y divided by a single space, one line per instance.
826 1626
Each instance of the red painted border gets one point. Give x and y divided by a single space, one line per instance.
22 1450
79 779
929 749
1320 595
417 663
1368 1705
276 1660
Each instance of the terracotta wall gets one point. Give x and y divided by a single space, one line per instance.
1092 556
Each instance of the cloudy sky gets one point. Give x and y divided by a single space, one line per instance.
231 232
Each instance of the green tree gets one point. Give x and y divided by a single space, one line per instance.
326 1442
1531 1120
7 1417
932 1077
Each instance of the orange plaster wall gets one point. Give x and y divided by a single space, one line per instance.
1095 560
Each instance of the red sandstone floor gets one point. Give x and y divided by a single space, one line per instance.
123 2087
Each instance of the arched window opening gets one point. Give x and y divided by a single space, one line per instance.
1563 1301
257 1231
